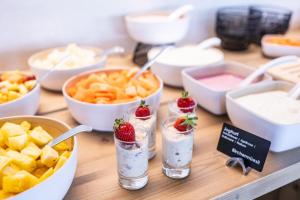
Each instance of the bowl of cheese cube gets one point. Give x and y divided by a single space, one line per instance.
96 98
19 93
29 168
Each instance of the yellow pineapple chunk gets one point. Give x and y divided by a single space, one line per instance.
2 152
10 169
17 142
25 125
63 146
2 140
66 154
19 182
23 161
11 95
4 161
48 173
49 156
40 137
32 150
40 171
5 195
11 130
39 163
61 161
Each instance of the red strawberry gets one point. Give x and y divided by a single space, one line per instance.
143 111
185 103
183 124
29 78
124 130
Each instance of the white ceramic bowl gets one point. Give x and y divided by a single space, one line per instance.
56 186
101 116
156 31
283 137
277 50
169 69
25 105
56 79
213 100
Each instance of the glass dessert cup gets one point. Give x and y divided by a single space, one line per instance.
177 150
174 110
132 159
149 123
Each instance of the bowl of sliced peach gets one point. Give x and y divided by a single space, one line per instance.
29 168
96 98
19 93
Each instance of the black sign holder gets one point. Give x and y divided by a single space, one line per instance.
235 161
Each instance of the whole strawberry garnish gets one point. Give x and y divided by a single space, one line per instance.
124 131
186 123
185 103
143 111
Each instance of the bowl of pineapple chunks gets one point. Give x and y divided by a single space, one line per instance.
96 98
29 168
19 93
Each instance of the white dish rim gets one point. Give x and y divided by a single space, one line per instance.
233 100
179 66
186 71
130 18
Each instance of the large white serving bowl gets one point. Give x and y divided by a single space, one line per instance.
210 99
101 116
25 105
56 186
156 31
169 69
282 136
56 79
277 50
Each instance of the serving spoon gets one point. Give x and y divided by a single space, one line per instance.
294 92
70 133
180 11
261 70
210 42
151 61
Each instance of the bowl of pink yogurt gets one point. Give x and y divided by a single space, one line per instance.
209 85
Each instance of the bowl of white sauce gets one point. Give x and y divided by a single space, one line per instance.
80 59
156 27
171 63
265 109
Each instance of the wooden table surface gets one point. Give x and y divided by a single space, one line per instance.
96 176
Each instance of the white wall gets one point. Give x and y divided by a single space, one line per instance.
31 25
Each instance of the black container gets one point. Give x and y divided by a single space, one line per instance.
140 54
232 27
272 20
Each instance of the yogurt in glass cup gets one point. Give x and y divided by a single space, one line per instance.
149 123
177 149
132 159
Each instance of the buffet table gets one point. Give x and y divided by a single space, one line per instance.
97 177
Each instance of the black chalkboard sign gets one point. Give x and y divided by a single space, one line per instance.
236 142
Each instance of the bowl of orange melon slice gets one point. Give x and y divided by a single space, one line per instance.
96 98
29 168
